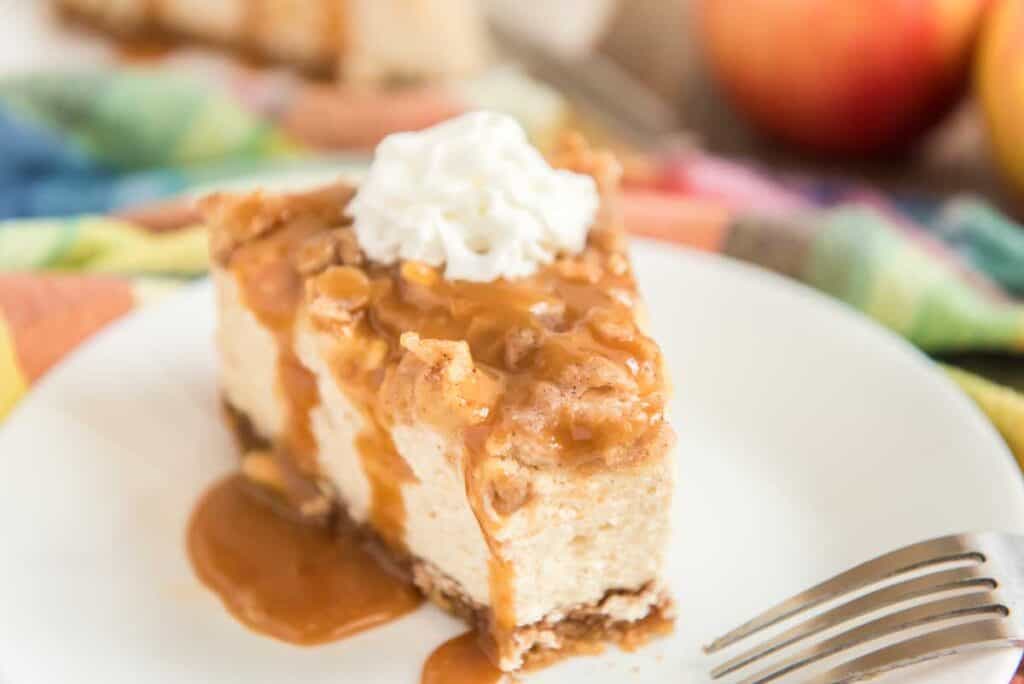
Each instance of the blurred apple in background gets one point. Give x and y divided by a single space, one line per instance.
851 77
1000 85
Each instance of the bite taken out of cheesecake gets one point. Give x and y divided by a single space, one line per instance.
451 354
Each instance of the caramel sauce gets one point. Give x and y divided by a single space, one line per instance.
500 573
533 330
387 471
296 582
272 290
272 287
501 577
461 661
299 385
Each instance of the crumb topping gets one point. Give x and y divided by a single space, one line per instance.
548 370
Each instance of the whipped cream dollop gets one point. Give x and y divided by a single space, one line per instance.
474 195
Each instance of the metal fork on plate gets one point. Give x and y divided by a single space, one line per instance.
973 580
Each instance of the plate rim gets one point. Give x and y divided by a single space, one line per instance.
867 326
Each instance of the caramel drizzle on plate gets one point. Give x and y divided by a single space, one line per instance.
461 661
291 580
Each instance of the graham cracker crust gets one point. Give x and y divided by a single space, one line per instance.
582 630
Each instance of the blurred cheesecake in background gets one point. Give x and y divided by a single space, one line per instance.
358 40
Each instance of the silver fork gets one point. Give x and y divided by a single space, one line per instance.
987 580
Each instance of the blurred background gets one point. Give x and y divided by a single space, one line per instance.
873 149
898 93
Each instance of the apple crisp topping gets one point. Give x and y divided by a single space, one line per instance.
571 380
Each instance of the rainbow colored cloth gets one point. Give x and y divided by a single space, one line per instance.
947 275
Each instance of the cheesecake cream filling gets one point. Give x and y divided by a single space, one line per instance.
577 538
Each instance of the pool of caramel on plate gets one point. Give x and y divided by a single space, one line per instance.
300 583
308 584
461 661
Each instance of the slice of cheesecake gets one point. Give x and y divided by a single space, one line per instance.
504 439
359 40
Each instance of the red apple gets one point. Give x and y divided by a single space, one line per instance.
841 76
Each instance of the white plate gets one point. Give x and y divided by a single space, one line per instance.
811 440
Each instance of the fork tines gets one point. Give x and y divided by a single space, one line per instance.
978 602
